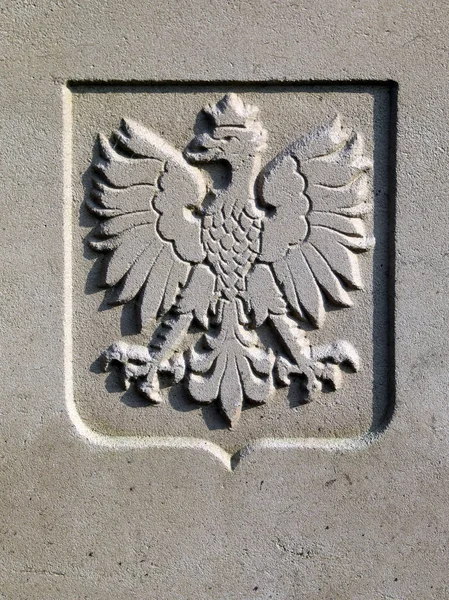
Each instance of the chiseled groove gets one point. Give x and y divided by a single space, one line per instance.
228 460
123 442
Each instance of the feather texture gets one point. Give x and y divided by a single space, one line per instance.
141 188
319 189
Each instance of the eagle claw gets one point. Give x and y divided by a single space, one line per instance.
318 364
136 364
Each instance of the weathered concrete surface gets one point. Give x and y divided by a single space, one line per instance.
310 520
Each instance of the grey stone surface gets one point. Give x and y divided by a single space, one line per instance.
344 497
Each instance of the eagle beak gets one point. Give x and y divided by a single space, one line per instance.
204 148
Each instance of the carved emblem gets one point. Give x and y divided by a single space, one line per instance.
271 247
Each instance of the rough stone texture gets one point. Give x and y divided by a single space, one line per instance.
316 519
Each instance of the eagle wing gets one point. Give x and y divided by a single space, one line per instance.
145 195
317 193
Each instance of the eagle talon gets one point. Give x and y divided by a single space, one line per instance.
329 372
176 366
284 369
135 364
318 364
124 353
149 388
132 361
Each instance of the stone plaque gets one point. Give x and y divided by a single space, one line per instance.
224 317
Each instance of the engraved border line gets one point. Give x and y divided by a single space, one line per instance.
229 461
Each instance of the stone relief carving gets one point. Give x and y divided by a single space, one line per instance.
271 247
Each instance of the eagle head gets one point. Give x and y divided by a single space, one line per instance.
235 133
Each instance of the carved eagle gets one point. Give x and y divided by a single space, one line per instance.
273 246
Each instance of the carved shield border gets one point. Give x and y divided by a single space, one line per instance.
229 460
